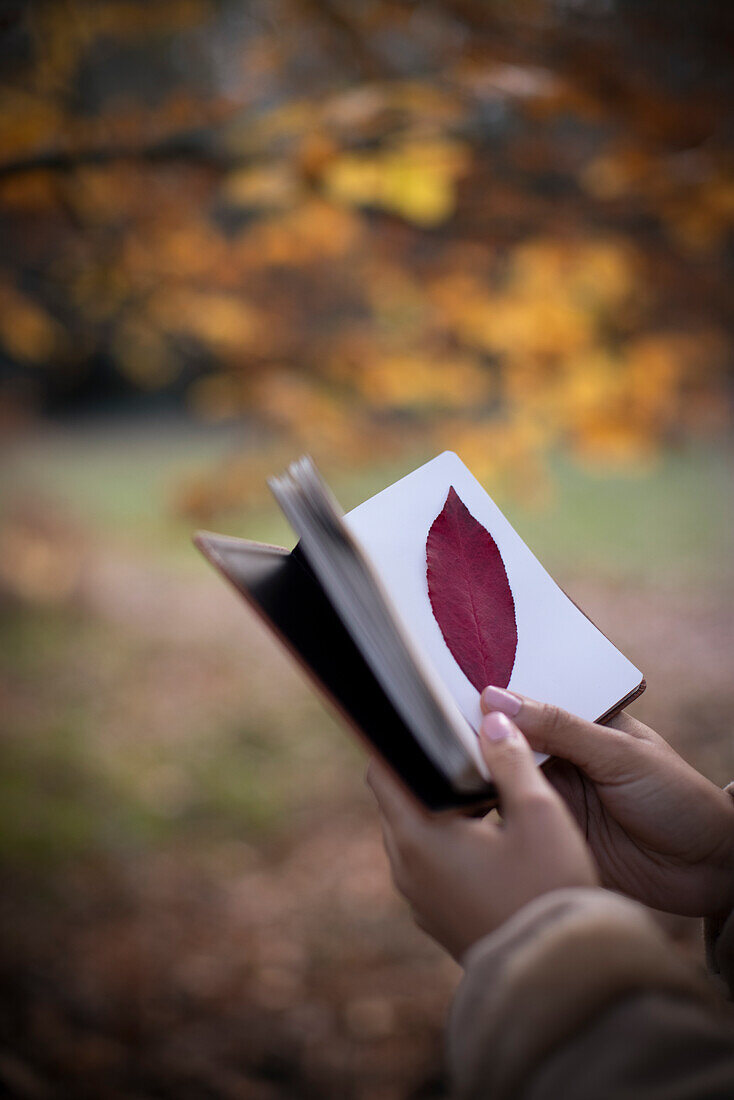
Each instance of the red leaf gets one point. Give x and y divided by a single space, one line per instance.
470 595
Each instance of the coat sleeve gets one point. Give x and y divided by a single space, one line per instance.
719 941
580 995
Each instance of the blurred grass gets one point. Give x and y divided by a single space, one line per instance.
103 746
671 522
66 788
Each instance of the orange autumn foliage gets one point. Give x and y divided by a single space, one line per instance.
478 249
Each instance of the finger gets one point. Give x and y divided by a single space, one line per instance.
390 844
554 731
391 847
568 781
512 765
625 723
398 807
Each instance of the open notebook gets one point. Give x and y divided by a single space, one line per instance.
404 608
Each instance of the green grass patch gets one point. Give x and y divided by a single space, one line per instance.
666 524
672 524
68 787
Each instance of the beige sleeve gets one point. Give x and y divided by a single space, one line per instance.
719 940
575 979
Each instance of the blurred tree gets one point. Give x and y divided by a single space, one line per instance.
502 229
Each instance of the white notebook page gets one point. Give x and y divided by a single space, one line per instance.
561 657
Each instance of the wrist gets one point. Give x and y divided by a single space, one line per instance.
488 927
722 859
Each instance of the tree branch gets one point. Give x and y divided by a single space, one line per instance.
176 149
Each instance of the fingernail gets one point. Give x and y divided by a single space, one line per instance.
497 727
504 701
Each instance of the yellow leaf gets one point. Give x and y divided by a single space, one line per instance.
221 320
177 250
396 298
416 180
589 274
518 324
143 354
505 455
415 381
585 386
27 331
291 401
270 187
314 231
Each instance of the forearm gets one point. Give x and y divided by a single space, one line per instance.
580 986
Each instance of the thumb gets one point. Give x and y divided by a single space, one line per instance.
592 747
512 765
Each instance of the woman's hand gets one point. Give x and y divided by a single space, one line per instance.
660 832
465 876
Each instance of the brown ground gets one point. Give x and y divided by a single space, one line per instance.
253 948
